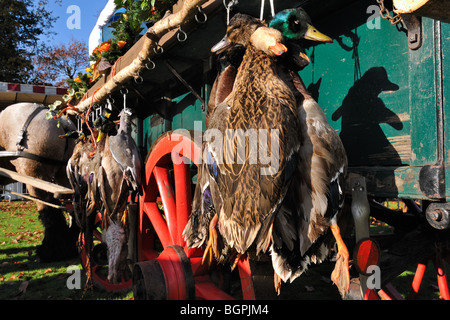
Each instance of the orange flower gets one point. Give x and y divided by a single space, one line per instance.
105 46
121 44
102 48
77 79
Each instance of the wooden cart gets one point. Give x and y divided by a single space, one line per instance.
382 84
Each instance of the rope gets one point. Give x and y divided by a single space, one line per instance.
272 9
261 14
228 7
114 67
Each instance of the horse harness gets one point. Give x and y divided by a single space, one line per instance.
21 138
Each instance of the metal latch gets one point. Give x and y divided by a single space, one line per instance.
413 25
411 22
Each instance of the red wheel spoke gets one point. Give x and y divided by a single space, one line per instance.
245 274
178 268
168 199
158 223
442 279
183 198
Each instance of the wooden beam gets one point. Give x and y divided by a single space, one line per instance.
436 9
162 32
34 199
37 183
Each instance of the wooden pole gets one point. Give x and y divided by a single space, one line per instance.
34 199
148 50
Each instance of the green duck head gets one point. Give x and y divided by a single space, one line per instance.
295 24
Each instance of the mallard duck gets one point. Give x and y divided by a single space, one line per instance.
244 199
316 198
231 50
295 24
260 100
104 124
230 53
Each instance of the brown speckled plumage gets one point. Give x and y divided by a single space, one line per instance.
237 38
248 199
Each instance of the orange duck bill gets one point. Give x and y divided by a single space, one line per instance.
278 49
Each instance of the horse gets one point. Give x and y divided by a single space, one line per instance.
41 153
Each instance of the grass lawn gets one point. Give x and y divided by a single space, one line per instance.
23 277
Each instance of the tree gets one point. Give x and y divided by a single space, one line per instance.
57 64
22 23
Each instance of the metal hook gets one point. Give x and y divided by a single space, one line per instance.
124 92
125 100
228 8
261 14
205 17
151 66
158 49
272 9
109 103
181 32
138 79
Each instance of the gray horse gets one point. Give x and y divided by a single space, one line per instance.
44 156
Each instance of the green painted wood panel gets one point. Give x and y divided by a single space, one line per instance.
382 98
186 113
445 41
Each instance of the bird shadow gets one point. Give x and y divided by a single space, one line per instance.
361 113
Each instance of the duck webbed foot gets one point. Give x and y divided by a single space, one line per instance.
211 247
340 275
277 282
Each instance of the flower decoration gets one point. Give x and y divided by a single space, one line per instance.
127 30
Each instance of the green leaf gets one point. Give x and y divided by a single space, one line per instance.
54 105
48 115
144 5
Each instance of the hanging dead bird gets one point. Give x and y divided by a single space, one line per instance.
259 100
230 57
102 182
314 202
104 125
125 152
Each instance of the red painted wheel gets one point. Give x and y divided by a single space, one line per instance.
99 262
167 269
389 292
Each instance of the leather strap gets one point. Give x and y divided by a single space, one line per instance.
24 129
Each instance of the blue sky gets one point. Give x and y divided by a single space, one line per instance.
89 12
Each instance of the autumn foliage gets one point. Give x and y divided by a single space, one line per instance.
60 63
